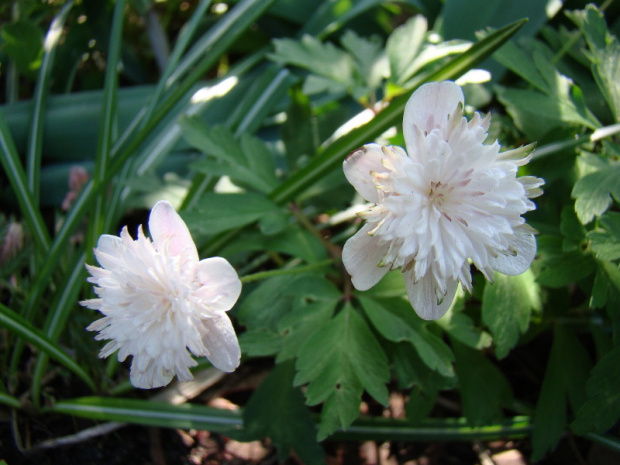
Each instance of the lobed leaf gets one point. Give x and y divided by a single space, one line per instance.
593 193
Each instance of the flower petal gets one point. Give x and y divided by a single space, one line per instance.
358 167
430 107
523 250
423 295
221 341
361 256
221 286
167 227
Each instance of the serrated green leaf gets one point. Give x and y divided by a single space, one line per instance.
216 213
484 389
245 159
516 56
260 342
605 240
594 191
403 46
602 409
536 113
277 410
368 57
564 381
604 54
562 268
335 361
322 59
397 322
507 305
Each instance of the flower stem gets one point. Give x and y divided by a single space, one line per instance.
279 272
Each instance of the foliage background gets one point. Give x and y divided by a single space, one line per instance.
234 112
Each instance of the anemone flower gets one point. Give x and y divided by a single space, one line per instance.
450 200
160 302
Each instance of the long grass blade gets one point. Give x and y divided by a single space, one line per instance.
9 158
35 140
24 329
144 412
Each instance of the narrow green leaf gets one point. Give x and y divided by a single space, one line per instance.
24 329
17 178
331 157
277 410
35 140
144 412
6 399
564 380
602 409
484 389
507 306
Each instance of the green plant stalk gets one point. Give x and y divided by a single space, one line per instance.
109 124
24 329
188 416
37 126
61 308
567 144
6 399
283 271
17 178
187 32
332 156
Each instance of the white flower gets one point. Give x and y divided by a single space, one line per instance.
451 200
159 301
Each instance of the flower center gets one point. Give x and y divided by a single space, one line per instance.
437 194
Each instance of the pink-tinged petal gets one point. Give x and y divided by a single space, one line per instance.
423 296
358 167
361 256
221 286
221 341
519 258
430 107
167 227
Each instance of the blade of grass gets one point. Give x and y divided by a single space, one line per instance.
332 156
109 123
6 399
144 412
17 178
187 32
24 329
37 126
61 308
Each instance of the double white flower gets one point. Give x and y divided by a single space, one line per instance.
159 300
450 200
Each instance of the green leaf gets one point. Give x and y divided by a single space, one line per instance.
397 322
484 389
260 342
604 54
560 268
460 326
277 410
564 381
246 159
322 59
220 212
299 131
144 412
605 240
403 47
24 329
593 192
369 59
507 305
602 409
337 362
573 231
22 41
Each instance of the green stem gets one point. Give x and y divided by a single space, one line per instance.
284 271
